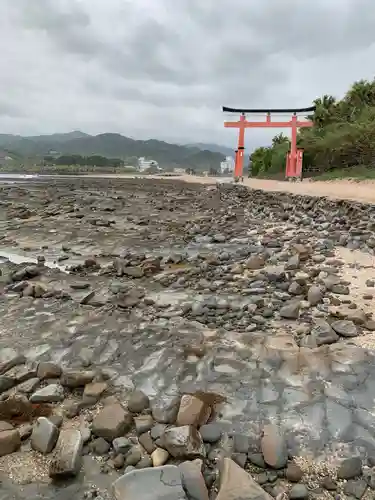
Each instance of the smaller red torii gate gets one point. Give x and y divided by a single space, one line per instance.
294 157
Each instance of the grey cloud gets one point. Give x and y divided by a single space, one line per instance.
163 68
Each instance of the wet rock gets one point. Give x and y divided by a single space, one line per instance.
291 310
25 431
192 411
95 390
47 370
100 446
298 492
133 272
273 447
146 442
121 445
329 484
255 262
9 358
240 459
76 378
164 410
345 328
159 457
159 483
356 488
323 334
293 473
28 386
314 295
143 423
144 463
138 401
5 383
193 481
184 442
10 439
52 393
133 457
67 458
236 484
111 422
44 435
241 443
350 468
211 433
257 459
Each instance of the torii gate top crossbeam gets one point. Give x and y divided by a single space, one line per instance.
226 109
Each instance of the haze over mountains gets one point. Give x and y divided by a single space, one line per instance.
110 145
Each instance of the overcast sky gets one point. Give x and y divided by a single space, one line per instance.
163 68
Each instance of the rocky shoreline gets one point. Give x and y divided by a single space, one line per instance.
218 337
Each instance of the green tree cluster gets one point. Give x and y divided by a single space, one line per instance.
84 161
343 136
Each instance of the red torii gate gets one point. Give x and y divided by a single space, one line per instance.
294 157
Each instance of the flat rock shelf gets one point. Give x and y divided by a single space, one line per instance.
163 338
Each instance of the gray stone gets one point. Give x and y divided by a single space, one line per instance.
274 447
9 358
44 435
323 334
184 442
67 458
10 441
100 446
6 383
211 433
241 443
345 328
350 468
356 488
298 492
28 386
48 370
158 483
240 459
291 310
138 401
143 423
144 463
193 481
52 393
121 445
164 410
133 272
257 459
293 473
111 422
76 378
147 443
314 295
134 456
237 484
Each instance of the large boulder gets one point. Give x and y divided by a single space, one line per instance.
112 422
184 442
237 484
68 454
157 483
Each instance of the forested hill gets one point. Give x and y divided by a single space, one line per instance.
112 146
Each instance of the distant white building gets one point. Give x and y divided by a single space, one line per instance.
144 164
178 170
227 165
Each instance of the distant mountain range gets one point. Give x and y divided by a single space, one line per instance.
198 156
213 147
